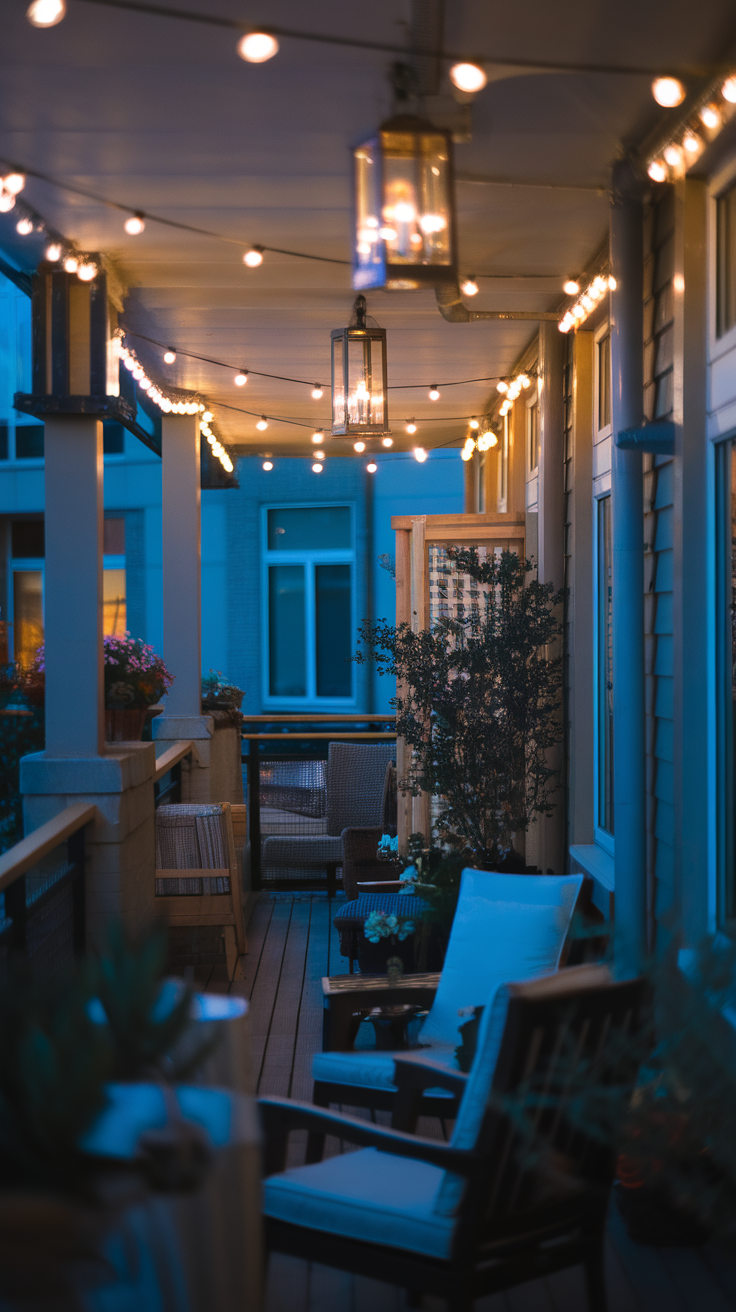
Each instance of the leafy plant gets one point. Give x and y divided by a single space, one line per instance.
216 691
135 676
380 924
479 703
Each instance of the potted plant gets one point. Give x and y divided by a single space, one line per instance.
218 694
385 930
135 678
479 703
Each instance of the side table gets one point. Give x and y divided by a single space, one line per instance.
346 995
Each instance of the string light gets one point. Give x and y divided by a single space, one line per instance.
53 252
253 257
468 449
14 182
710 116
24 227
657 171
692 143
372 467
487 440
468 77
46 13
87 271
502 385
359 447
317 469
420 454
387 441
668 91
267 465
728 90
571 287
71 264
241 378
7 201
169 357
135 224
470 286
434 392
317 392
318 436
411 427
594 292
320 455
262 424
257 47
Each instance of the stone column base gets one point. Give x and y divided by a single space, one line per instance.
120 848
217 776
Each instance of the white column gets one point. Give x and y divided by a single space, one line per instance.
73 595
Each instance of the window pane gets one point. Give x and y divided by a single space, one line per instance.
28 441
334 636
27 538
311 528
604 382
113 437
605 667
27 614
114 537
286 623
113 602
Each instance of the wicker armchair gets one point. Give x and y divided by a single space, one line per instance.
360 843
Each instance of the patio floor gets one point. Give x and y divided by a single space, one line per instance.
292 944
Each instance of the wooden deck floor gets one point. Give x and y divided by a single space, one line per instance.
292 944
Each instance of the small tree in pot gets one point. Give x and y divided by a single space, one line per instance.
479 703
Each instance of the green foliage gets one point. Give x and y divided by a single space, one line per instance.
216 691
53 1064
479 703
144 1021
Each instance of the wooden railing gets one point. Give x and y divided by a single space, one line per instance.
42 887
167 778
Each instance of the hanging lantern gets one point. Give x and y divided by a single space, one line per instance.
359 377
404 207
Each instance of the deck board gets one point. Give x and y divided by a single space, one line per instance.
292 943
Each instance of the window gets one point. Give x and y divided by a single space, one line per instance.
604 668
113 438
725 262
603 346
29 441
308 591
532 431
726 681
26 591
114 618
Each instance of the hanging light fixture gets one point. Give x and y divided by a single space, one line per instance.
404 207
359 377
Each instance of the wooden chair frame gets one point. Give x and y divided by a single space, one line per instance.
508 1230
216 909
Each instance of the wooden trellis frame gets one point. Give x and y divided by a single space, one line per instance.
415 534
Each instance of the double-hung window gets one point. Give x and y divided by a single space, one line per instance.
309 631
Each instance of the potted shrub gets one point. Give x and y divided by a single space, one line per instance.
135 678
218 694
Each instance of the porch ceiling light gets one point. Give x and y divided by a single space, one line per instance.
359 377
46 13
668 91
404 207
257 47
468 77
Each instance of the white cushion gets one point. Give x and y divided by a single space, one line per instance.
370 1069
366 1195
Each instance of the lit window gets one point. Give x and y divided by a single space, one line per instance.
603 374
310 638
114 615
604 663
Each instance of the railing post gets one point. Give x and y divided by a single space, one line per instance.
76 857
15 909
254 814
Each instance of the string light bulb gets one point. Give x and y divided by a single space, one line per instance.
71 264
53 252
14 182
207 417
317 469
24 227
262 424
317 392
502 386
267 465
668 91
253 257
469 287
320 455
612 284
467 452
420 454
169 357
468 77
710 116
257 47
7 201
317 437
135 224
241 378
46 13
691 143
434 392
359 447
474 422
87 271
728 90
657 170
571 287
387 441
372 467
411 427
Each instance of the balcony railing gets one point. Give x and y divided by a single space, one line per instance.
285 760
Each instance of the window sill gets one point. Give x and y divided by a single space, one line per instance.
595 862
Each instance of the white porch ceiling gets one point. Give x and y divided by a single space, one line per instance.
163 115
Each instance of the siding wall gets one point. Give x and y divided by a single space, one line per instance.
658 563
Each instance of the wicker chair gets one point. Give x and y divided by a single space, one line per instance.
356 781
199 839
477 1215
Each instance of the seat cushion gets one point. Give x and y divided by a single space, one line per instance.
356 913
370 1070
302 850
365 1195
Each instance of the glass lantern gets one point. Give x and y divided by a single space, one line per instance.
404 207
359 378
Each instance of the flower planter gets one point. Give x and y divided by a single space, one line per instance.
372 957
125 726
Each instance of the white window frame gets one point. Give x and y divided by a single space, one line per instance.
309 559
599 434
532 401
601 836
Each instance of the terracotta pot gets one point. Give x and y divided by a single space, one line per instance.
125 726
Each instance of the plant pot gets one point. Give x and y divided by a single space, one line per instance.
372 957
125 726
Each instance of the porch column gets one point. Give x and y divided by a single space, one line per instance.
627 511
180 514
